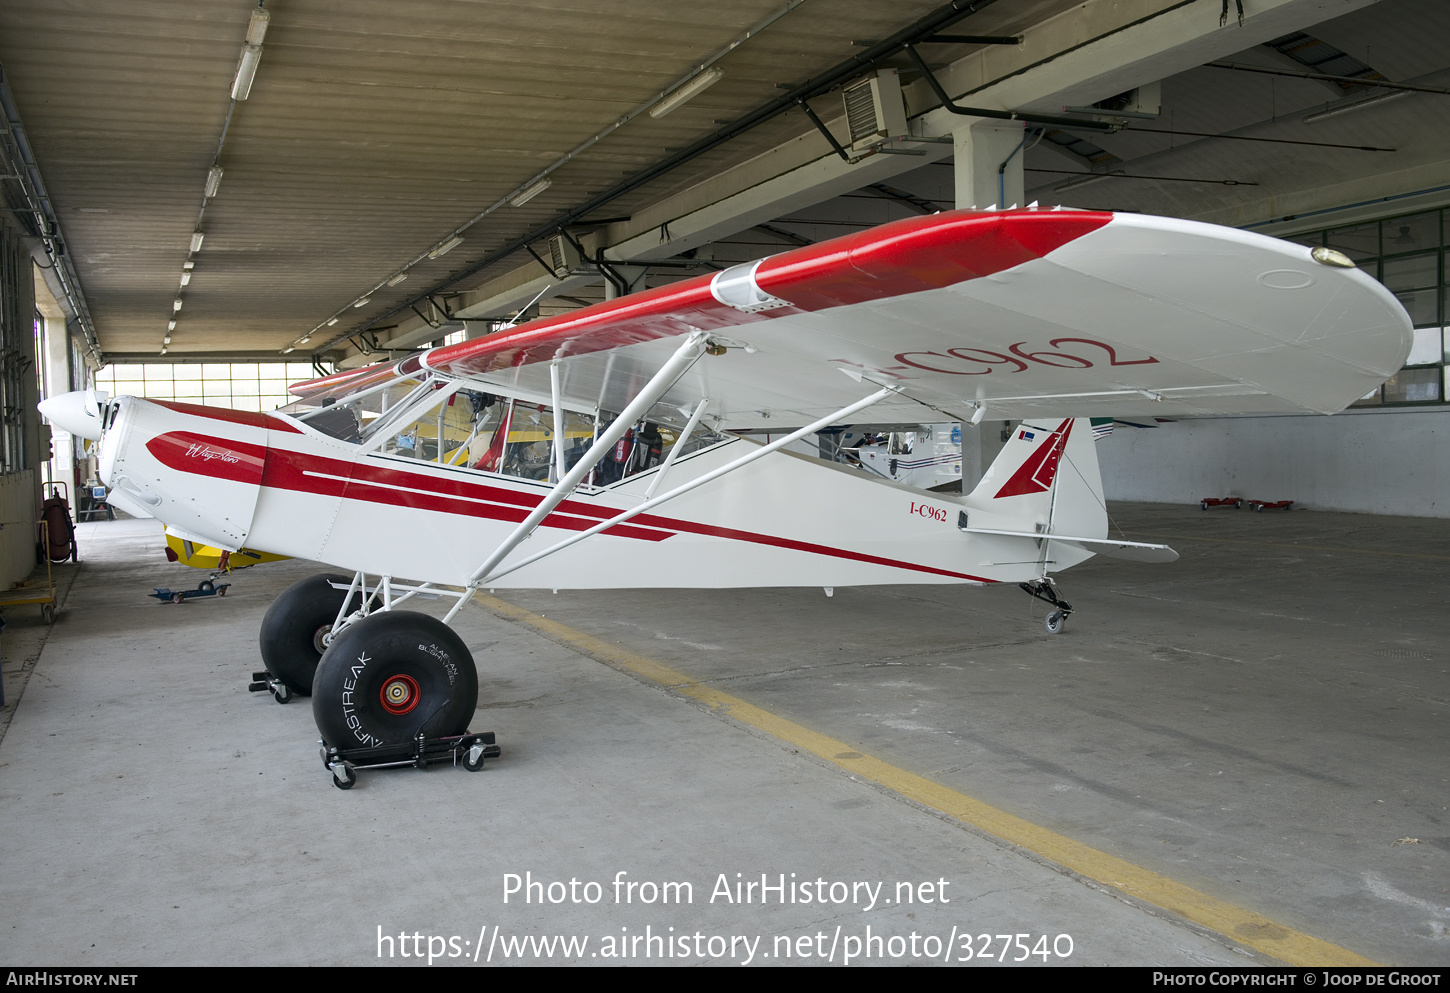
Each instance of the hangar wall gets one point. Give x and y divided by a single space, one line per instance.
21 436
1363 461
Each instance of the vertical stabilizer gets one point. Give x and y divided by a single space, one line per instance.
1046 479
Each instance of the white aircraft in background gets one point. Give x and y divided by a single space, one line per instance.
594 449
925 456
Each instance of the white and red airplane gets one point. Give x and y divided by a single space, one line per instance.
594 450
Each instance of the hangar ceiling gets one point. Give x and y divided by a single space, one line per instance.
373 132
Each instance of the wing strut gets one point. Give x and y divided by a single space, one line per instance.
694 420
685 356
761 452
557 469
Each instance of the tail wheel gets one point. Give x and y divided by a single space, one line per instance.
294 628
1054 622
392 676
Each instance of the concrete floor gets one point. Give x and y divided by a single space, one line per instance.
1261 721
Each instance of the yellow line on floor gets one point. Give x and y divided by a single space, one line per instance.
1240 925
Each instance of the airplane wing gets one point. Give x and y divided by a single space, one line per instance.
1023 313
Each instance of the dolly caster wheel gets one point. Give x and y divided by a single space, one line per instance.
473 761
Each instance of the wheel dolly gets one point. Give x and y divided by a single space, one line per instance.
207 587
468 750
265 682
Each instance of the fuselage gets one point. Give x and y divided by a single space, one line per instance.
273 483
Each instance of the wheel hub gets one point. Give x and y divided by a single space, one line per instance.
321 638
399 694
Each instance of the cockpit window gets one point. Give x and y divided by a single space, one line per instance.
435 418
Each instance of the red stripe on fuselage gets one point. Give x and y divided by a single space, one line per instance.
373 483
808 546
206 456
248 417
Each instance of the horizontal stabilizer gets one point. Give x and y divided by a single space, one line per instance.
1113 548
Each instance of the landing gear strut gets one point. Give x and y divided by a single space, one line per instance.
1046 591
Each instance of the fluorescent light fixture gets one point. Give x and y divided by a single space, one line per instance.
332 322
176 305
196 238
529 192
166 340
289 348
163 349
185 276
1349 108
188 264
685 93
170 326
213 181
444 247
246 69
394 281
362 301
257 26
304 340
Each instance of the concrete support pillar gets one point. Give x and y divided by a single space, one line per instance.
987 441
972 464
56 343
979 151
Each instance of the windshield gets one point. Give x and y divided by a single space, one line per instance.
354 410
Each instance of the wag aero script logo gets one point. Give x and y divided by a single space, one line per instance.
207 454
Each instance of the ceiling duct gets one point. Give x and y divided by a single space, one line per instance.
564 258
875 110
1145 102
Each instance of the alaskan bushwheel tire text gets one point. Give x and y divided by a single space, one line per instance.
392 676
293 627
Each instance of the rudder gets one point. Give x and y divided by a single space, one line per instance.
1045 479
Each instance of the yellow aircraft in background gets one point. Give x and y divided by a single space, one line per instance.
214 559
